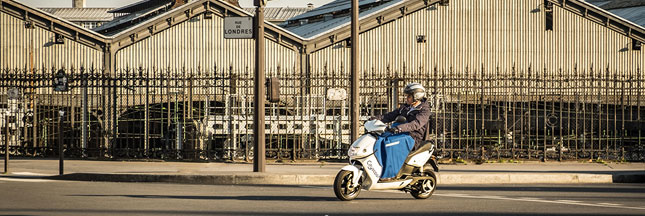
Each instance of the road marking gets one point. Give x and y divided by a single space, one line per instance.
313 186
610 204
530 199
525 199
24 179
28 174
572 201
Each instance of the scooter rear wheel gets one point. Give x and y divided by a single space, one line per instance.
425 188
342 186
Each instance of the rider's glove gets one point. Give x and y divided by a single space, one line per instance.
393 130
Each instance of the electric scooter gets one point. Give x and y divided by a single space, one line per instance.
416 176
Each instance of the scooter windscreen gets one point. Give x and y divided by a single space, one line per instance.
375 126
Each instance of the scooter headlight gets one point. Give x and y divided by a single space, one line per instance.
353 151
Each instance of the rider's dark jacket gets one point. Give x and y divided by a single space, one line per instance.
417 120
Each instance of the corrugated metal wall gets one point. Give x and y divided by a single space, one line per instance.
200 43
17 41
493 34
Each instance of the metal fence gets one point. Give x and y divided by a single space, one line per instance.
207 115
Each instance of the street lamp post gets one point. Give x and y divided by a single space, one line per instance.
259 162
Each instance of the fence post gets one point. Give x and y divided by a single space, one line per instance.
115 130
6 146
483 151
146 126
560 146
85 124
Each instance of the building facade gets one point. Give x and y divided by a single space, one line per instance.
522 79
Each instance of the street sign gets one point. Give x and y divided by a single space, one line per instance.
336 94
238 27
61 81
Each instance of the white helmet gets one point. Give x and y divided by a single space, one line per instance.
416 90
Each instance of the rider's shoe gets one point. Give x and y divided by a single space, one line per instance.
387 179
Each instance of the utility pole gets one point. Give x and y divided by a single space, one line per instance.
259 161
356 66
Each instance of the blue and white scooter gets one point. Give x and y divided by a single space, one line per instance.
417 175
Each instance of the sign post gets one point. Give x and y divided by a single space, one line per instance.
247 28
259 160
60 142
60 85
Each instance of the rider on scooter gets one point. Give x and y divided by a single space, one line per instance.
416 111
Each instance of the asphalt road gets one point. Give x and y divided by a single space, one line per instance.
47 197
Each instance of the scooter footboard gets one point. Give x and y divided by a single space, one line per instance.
357 172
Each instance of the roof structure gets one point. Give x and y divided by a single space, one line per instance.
141 5
54 23
335 6
329 23
316 28
278 14
632 10
617 4
81 14
334 15
137 12
139 29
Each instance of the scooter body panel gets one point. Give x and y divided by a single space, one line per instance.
372 169
357 173
362 147
420 159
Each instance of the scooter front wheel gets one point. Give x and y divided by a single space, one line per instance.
343 186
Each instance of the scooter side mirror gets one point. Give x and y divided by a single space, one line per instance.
401 119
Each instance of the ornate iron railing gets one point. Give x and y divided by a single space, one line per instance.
207 115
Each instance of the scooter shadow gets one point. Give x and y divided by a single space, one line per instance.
242 198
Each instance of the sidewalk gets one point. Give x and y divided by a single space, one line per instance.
316 173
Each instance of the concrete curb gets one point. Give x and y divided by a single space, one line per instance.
327 180
525 178
629 178
237 179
